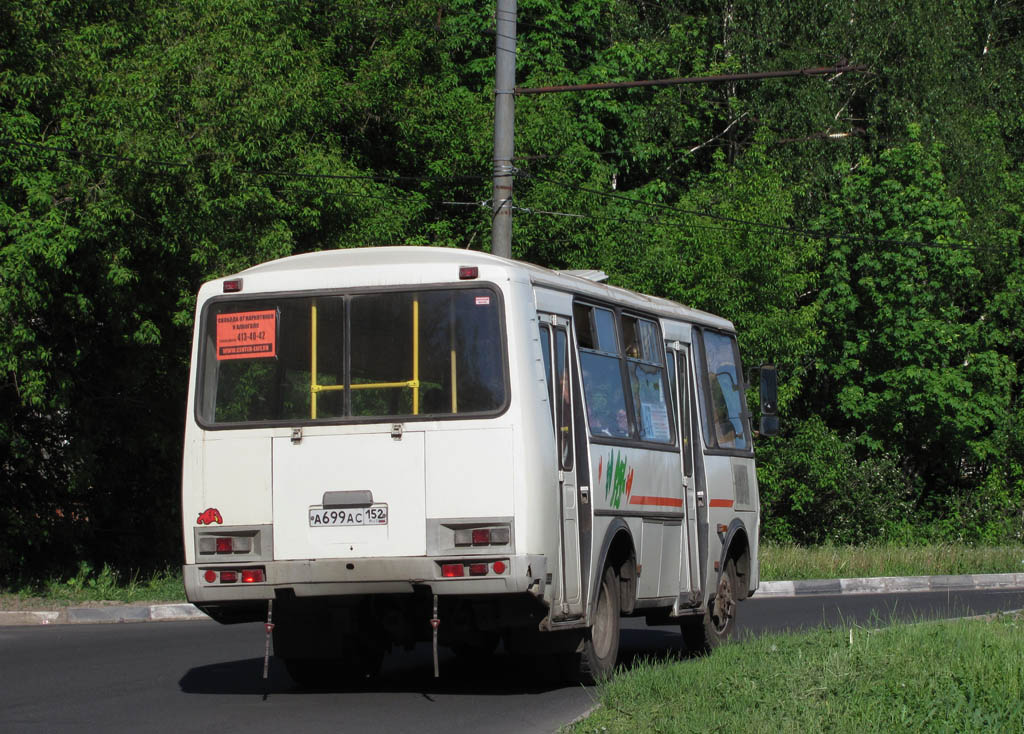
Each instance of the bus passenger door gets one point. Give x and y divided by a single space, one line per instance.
555 340
681 380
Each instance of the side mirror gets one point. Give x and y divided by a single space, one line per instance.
769 400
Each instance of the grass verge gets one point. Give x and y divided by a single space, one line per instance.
93 586
956 676
791 562
778 563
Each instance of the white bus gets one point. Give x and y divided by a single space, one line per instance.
385 446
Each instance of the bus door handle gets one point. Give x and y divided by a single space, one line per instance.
700 497
584 495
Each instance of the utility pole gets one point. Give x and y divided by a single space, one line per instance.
504 126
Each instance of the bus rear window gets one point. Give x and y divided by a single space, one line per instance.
356 356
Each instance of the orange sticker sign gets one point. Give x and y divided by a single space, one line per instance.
247 335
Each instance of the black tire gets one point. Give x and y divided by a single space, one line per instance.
601 642
702 634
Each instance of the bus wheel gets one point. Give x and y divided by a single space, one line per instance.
701 634
601 642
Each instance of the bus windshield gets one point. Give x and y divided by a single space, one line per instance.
394 354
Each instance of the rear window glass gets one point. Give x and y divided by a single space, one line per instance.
366 355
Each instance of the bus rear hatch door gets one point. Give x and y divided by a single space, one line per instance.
351 496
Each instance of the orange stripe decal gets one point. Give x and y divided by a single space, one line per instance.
720 503
637 499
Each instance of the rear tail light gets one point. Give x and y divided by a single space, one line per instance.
466 568
233 286
225 544
491 535
253 576
468 272
234 575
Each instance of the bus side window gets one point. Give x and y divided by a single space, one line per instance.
545 353
563 399
723 404
603 389
670 359
645 364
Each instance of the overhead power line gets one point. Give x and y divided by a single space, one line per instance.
717 78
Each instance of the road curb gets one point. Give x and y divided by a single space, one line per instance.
126 613
890 585
112 614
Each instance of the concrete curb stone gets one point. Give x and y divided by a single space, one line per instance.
118 613
112 614
890 585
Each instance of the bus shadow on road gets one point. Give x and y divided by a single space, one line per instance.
500 674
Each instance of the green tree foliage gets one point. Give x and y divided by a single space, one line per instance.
862 230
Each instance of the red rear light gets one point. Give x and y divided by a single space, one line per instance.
252 576
499 567
478 569
224 545
482 536
452 570
468 272
228 577
233 286
210 576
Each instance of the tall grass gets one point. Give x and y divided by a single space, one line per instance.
959 676
791 562
104 584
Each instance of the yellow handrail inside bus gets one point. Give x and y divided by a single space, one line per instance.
316 388
451 348
313 387
415 383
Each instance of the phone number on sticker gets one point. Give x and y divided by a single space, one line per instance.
342 517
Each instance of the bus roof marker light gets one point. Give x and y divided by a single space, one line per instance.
233 286
468 272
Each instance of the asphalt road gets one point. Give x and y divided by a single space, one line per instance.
202 677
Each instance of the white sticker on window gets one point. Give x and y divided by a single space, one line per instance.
483 300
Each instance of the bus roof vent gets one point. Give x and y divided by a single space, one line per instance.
598 276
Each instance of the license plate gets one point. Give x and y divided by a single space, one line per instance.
348 516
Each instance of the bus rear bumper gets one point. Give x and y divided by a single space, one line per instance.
207 583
